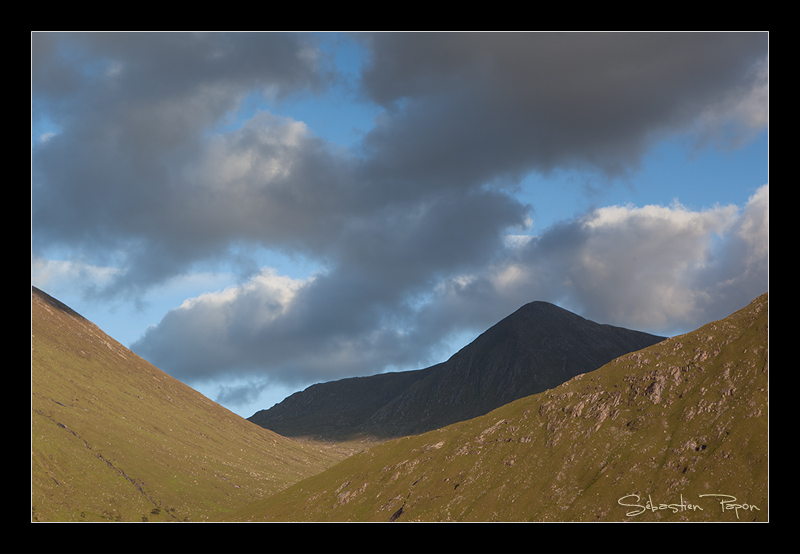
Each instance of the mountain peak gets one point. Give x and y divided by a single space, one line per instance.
537 347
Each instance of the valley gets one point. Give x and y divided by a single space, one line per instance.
675 430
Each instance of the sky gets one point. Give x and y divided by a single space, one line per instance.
257 212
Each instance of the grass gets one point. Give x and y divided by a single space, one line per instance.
115 439
682 419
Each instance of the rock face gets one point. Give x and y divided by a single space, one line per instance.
534 349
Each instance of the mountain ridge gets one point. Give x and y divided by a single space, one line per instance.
537 347
675 432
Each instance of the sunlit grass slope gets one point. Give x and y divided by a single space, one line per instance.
115 439
647 437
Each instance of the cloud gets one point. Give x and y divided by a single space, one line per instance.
664 269
656 268
351 317
137 114
469 107
153 167
141 174
221 329
740 115
48 273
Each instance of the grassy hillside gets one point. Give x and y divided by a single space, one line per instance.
643 438
115 439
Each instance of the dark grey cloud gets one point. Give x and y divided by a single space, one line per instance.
357 317
148 68
138 167
148 173
477 106
662 269
136 115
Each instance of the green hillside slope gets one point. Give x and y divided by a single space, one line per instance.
115 439
675 432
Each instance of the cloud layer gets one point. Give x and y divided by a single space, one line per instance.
146 168
653 268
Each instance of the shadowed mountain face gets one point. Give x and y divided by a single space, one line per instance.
535 349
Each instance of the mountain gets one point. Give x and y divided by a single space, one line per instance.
677 431
115 439
534 349
337 410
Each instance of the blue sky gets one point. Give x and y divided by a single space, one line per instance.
257 212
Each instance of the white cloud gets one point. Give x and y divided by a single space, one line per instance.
754 226
240 163
271 293
659 267
216 331
663 269
75 274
